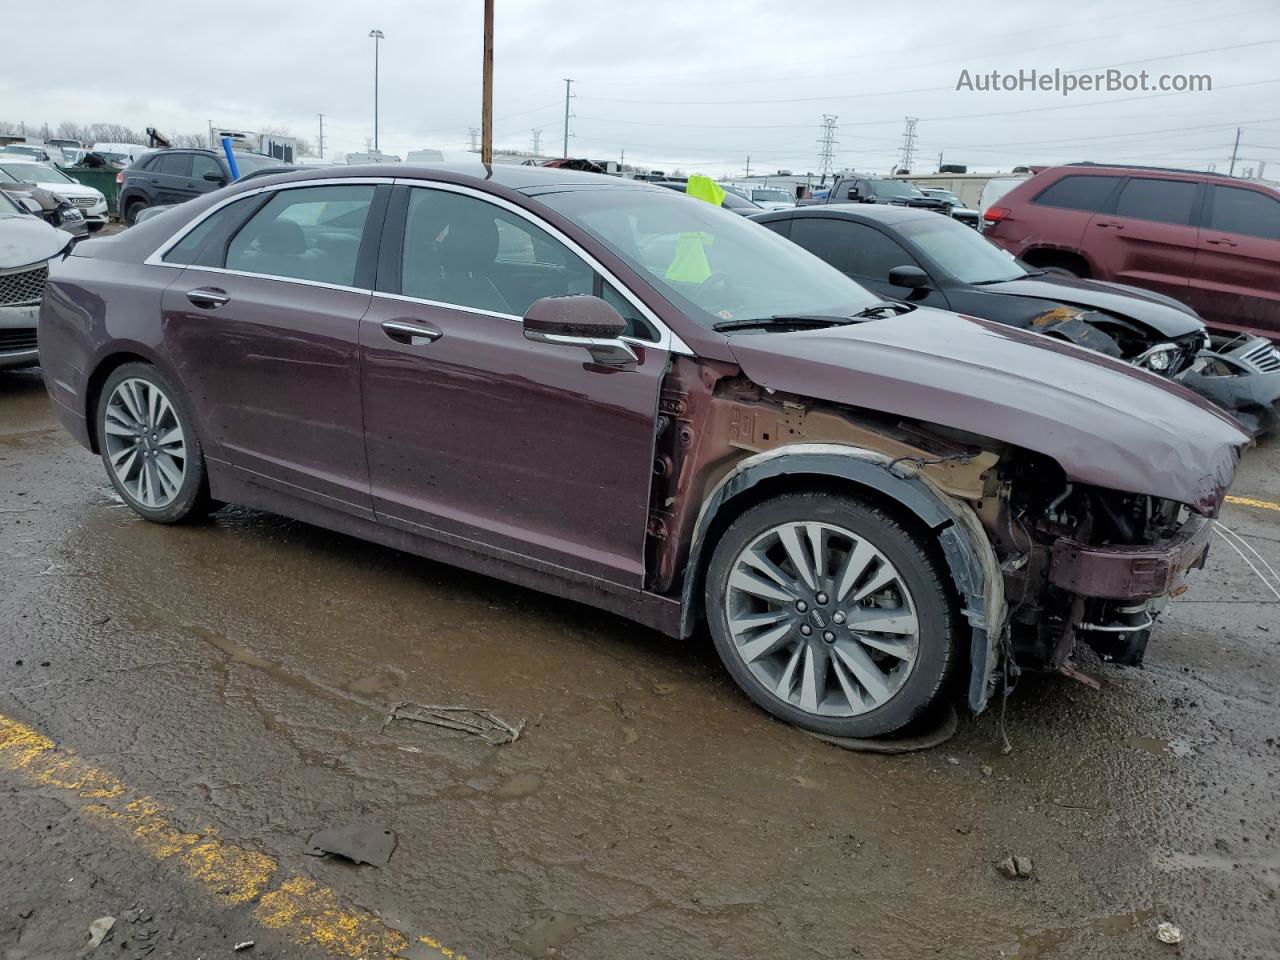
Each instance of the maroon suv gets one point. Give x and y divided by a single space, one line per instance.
1209 240
628 397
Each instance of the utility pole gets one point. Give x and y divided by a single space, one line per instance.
622 161
748 166
939 161
908 144
568 86
1234 150
486 107
378 37
827 147
474 133
320 142
537 142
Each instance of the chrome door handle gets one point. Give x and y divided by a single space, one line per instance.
208 298
410 331
1222 242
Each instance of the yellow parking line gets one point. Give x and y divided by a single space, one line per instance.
230 873
1250 502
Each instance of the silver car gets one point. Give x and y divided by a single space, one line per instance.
27 244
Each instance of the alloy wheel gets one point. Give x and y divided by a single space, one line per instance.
145 443
822 619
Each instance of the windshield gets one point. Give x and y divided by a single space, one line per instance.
961 251
10 205
715 265
7 177
34 172
895 188
773 195
248 162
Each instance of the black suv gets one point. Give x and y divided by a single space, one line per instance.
167 177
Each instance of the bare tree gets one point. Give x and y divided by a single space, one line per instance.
114 133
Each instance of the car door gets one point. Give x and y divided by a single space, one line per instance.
863 253
263 328
1234 284
201 166
169 173
1150 237
522 450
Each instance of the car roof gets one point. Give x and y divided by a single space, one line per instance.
1088 167
878 212
528 180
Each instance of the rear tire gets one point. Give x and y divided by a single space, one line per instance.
831 615
131 212
149 445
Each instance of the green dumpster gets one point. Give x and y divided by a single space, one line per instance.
100 178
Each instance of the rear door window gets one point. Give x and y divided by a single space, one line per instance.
189 249
852 248
1248 212
1165 201
306 233
172 164
1078 192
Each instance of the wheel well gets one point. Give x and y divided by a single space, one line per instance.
94 389
1059 258
771 487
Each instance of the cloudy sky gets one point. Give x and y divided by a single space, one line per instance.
673 83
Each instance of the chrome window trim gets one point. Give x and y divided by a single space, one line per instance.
668 339
156 257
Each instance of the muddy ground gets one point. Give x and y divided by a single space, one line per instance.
238 674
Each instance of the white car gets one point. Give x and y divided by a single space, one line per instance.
40 152
26 245
87 200
120 154
771 198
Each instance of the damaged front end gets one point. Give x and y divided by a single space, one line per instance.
1242 376
1087 565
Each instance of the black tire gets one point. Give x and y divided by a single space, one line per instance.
192 500
921 573
131 211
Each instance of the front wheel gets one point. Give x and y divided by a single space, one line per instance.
149 445
831 615
131 212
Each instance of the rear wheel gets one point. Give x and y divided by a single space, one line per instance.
131 211
831 615
149 445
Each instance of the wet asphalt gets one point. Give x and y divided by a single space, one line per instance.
238 674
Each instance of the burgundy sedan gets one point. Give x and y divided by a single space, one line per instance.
616 394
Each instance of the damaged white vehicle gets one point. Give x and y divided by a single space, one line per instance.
27 244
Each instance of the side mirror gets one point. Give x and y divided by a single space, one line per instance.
32 205
214 177
580 321
911 276
854 194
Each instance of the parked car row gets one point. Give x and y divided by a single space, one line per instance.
27 244
89 201
1209 241
636 400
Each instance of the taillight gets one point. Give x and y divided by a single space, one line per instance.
994 215
120 179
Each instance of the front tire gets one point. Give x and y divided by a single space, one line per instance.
831 615
149 445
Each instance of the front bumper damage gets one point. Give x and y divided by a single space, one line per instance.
1243 378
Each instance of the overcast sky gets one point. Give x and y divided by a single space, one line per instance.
674 83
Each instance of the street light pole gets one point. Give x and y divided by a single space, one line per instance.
377 36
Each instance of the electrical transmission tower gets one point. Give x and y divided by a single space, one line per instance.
908 144
537 142
827 147
475 138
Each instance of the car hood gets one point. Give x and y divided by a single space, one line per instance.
27 239
1165 316
70 189
1105 422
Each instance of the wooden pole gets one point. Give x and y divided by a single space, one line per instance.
486 114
